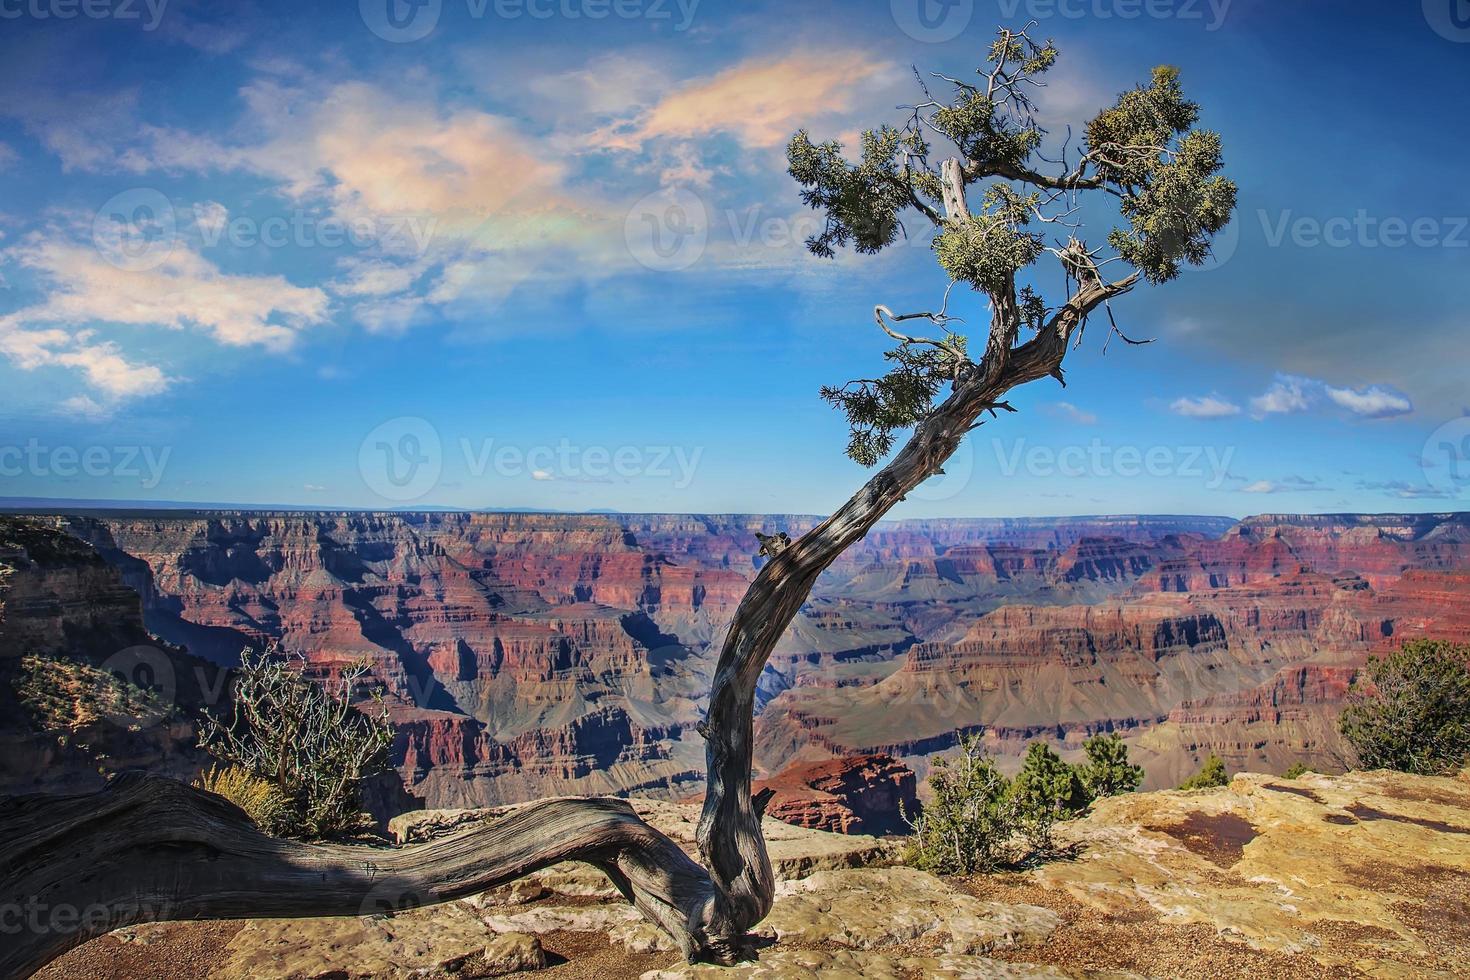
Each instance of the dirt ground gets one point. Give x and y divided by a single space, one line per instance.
1130 938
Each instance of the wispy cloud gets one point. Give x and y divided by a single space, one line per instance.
1070 412
1372 402
1206 407
1287 395
1293 394
183 290
1287 484
760 102
1404 490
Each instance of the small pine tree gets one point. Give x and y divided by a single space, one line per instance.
1108 771
1210 775
1045 791
1413 712
965 826
1295 771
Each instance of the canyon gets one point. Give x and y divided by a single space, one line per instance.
528 655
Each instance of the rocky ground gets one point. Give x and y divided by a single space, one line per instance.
1364 875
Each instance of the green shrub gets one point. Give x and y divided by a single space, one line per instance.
1295 771
1108 771
978 820
966 825
1210 775
303 738
1412 713
1045 791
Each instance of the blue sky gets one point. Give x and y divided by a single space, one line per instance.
309 254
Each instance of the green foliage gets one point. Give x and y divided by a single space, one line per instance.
1108 771
308 742
1295 771
1045 791
967 824
986 251
978 820
1211 774
876 408
1413 712
862 201
1143 151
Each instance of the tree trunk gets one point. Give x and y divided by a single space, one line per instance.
150 849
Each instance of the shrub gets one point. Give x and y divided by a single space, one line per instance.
1413 712
1295 771
965 827
1210 775
257 797
1108 771
1045 791
67 697
305 739
978 820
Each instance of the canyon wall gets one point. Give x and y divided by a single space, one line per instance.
533 654
85 691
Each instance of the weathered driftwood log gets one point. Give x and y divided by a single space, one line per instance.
148 848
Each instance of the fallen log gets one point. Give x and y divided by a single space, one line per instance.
147 849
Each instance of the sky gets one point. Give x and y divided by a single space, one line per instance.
545 254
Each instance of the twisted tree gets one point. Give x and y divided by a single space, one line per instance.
146 848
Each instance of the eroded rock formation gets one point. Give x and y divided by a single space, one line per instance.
529 655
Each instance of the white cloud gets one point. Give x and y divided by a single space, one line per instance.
314 488
85 407
1372 402
1206 407
1261 486
1292 394
103 366
541 475
1066 410
113 374
184 290
1288 395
